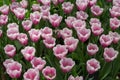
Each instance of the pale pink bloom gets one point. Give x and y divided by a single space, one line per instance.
115 11
66 64
116 3
75 78
69 21
31 74
105 40
14 5
36 7
28 52
55 2
19 12
83 34
22 38
46 2
115 36
60 51
67 7
78 24
46 32
95 21
82 4
10 50
114 23
49 42
65 33
38 63
24 3
27 24
92 49
3 19
110 54
92 2
44 8
71 43
1 32
45 15
49 73
7 61
34 34
55 20
4 9
97 29
35 17
61 1
92 65
96 10
81 15
12 25
14 69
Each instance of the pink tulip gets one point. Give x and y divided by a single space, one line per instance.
61 1
96 10
69 21
114 23
28 52
49 42
83 34
1 32
110 54
31 74
12 26
55 2
71 43
46 32
49 73
81 15
92 66
35 17
14 5
115 11
82 4
7 61
105 40
60 51
75 78
24 3
36 7
27 25
95 21
92 49
4 9
10 50
46 2
45 8
38 63
22 38
65 33
34 34
3 19
67 7
78 24
115 36
66 64
55 20
116 3
92 2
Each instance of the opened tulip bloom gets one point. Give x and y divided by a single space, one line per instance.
69 21
75 78
27 24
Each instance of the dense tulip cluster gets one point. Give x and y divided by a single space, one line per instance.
60 40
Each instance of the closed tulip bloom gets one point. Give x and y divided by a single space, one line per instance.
1 32
75 78
115 11
105 40
4 9
49 42
31 74
34 34
69 21
55 20
114 23
92 2
35 17
10 50
14 69
28 53
49 73
71 43
83 34
67 7
110 54
36 7
115 36
81 15
95 21
96 10
7 61
66 64
92 49
3 19
24 3
92 65
22 38
78 24
27 24
46 2
38 63
60 51
82 4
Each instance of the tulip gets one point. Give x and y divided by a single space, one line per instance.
95 21
1 32
36 7
81 15
114 23
4 9
115 11
116 3
7 61
3 19
14 5
96 10
92 2
55 2
45 2
61 1
24 3
69 21
27 24
12 25
75 78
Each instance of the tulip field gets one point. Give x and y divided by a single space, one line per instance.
59 39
